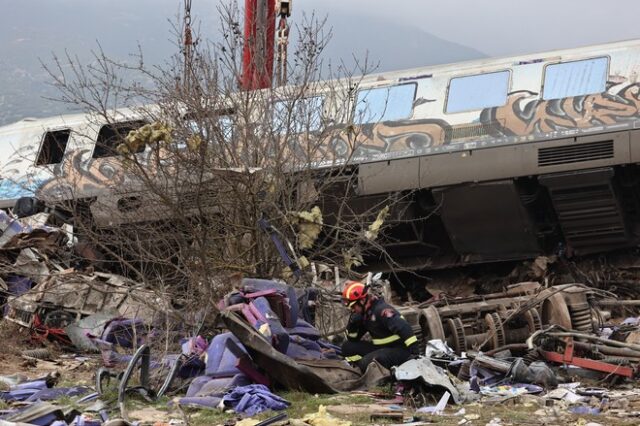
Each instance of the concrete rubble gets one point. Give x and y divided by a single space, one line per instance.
560 351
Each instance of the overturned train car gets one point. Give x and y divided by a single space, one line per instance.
496 159
510 158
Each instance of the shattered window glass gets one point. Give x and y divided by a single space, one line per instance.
575 78
476 92
385 103
112 135
53 147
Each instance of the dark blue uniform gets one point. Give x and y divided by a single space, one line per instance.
392 340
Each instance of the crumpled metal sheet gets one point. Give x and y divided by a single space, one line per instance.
314 376
333 371
432 375
85 295
31 265
30 231
278 366
38 413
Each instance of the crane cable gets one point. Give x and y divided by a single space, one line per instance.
188 45
284 10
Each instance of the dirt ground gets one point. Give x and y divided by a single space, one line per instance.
73 368
78 369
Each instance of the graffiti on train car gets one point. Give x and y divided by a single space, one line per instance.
14 182
525 114
77 175
524 117
401 136
390 138
81 174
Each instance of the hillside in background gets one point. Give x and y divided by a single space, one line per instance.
30 38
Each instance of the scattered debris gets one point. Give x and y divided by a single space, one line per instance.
526 345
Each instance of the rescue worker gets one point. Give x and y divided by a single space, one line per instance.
392 340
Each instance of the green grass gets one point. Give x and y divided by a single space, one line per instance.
208 417
67 401
304 403
301 404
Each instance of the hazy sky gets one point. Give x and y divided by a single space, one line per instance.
397 34
503 27
495 27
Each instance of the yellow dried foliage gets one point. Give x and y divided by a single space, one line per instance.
322 418
352 258
374 228
149 134
194 142
309 226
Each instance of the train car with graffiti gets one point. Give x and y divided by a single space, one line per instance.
504 159
62 158
497 159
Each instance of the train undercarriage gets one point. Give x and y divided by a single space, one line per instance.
569 214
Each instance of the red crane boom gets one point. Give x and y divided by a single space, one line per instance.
259 33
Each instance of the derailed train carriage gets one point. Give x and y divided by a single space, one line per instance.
498 159
509 158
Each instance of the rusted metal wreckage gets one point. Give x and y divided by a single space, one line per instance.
560 324
43 288
495 320
60 299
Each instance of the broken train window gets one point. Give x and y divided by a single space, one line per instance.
112 135
53 147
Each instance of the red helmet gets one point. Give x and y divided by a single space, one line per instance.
353 291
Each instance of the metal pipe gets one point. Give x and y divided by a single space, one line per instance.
595 338
614 302
512 346
462 308
493 363
475 340
607 350
273 419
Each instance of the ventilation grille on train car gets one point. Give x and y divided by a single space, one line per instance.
468 131
575 153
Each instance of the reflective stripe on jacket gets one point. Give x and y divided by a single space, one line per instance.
384 324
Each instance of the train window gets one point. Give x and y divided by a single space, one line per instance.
302 115
575 78
478 91
226 127
112 135
385 103
202 126
53 147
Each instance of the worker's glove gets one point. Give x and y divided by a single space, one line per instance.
355 319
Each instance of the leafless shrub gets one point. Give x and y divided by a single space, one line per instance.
176 204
